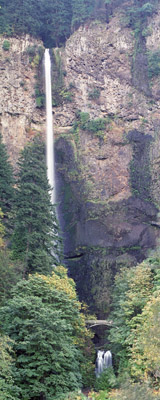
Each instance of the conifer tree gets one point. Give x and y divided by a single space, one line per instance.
35 240
44 320
81 10
6 182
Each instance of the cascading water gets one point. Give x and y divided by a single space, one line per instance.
104 360
49 123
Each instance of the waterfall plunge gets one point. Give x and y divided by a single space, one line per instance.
49 120
104 360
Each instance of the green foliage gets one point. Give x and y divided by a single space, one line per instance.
138 15
81 11
35 240
40 97
10 273
40 100
134 391
94 94
135 334
31 51
51 21
132 290
56 22
60 93
153 63
95 126
146 347
6 45
76 396
49 334
6 185
106 380
2 231
8 390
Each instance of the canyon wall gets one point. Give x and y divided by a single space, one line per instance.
108 167
107 128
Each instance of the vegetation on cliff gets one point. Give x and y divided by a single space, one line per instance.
51 21
6 184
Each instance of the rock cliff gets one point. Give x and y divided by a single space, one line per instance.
107 151
20 118
107 127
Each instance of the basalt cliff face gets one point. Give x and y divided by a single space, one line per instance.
107 128
108 178
20 119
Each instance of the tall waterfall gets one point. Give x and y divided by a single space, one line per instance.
49 123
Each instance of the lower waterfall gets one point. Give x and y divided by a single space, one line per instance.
103 360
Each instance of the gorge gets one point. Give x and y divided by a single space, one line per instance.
79 143
106 124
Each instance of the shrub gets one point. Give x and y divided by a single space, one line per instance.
154 63
6 45
94 94
106 380
134 391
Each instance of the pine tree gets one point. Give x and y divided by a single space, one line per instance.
35 240
6 182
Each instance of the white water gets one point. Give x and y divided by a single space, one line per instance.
104 360
49 125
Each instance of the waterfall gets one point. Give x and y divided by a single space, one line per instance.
104 360
49 125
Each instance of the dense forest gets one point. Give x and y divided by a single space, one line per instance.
53 21
46 350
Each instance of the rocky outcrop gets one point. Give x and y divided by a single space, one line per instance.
20 119
108 187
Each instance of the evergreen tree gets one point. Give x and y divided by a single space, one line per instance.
57 15
35 240
44 320
81 10
6 183
11 271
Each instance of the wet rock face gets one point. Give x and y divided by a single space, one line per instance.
108 181
20 119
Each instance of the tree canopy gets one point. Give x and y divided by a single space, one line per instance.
51 20
35 239
48 331
6 184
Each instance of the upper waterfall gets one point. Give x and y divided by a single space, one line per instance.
49 125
